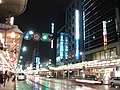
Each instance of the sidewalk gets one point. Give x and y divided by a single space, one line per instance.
9 85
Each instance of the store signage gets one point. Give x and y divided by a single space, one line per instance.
27 36
5 26
36 36
12 59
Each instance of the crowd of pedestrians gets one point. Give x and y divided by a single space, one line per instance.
4 77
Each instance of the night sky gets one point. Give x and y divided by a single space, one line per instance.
38 17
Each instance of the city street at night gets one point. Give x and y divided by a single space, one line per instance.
59 44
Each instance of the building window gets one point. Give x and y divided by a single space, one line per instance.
102 54
113 52
98 56
107 54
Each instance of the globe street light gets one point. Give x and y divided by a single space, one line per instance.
21 57
19 61
24 48
31 32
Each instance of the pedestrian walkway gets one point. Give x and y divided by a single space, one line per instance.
10 85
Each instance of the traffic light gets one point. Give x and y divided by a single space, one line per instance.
47 37
44 36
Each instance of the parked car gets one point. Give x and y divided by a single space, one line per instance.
91 79
21 76
114 81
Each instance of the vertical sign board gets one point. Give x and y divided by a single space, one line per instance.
37 62
61 45
105 34
66 46
77 33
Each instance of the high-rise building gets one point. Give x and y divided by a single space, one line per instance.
101 22
92 29
62 51
74 31
92 33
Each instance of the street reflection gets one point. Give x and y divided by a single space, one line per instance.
55 85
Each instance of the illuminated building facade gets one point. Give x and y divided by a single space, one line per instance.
98 24
101 22
60 48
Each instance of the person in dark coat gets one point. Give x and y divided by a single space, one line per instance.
5 76
1 78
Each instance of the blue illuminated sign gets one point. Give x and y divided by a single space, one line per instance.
66 46
27 36
37 60
61 45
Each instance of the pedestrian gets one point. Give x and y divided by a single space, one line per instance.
5 76
14 77
1 78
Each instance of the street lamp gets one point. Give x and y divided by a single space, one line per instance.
21 57
81 53
24 48
31 32
19 61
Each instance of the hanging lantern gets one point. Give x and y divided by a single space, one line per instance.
10 8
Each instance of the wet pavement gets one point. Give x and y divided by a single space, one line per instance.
64 84
10 85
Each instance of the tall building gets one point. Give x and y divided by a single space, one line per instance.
60 22
92 32
61 50
74 31
36 59
101 22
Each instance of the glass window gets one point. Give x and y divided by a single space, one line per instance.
20 73
113 52
98 56
102 55
107 54
94 56
118 78
115 78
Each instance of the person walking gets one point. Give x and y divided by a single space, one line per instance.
5 76
1 78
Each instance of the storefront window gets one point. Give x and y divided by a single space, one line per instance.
107 54
102 55
113 52
94 56
98 56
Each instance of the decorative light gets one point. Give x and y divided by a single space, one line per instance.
12 20
21 57
13 35
24 48
1 35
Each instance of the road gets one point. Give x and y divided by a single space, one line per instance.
56 84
